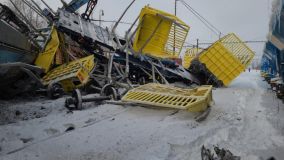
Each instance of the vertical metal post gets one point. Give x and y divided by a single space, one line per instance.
153 72
100 17
174 49
110 62
175 7
197 45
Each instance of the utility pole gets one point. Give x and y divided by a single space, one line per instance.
197 45
100 17
174 49
175 7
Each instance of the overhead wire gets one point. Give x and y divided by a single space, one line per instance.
209 25
236 42
110 21
190 45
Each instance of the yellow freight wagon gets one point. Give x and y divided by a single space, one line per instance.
159 34
227 58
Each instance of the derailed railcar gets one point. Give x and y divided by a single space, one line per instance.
272 63
269 61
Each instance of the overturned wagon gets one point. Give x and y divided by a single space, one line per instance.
223 61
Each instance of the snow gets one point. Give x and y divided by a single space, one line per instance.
246 118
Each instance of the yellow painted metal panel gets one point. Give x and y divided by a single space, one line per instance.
193 100
71 75
46 58
227 58
169 34
189 55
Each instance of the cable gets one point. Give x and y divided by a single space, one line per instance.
200 16
235 42
202 19
110 21
190 45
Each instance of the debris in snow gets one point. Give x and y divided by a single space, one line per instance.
175 112
90 120
222 154
17 113
69 127
26 140
203 115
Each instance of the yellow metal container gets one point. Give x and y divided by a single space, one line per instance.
159 95
189 55
46 58
227 58
159 34
72 75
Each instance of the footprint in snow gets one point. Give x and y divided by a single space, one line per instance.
51 131
69 127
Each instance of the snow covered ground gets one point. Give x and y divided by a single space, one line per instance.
246 118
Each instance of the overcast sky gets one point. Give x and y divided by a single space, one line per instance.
247 18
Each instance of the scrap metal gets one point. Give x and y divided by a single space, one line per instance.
193 100
78 54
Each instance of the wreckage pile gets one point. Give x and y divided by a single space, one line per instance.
74 55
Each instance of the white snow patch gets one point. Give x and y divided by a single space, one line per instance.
239 121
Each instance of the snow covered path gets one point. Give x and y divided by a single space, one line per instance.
246 119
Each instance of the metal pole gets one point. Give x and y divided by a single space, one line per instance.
26 20
48 6
174 49
153 72
175 7
37 6
36 9
116 24
197 45
110 62
100 19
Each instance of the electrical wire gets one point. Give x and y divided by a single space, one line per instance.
190 45
235 42
110 21
209 25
